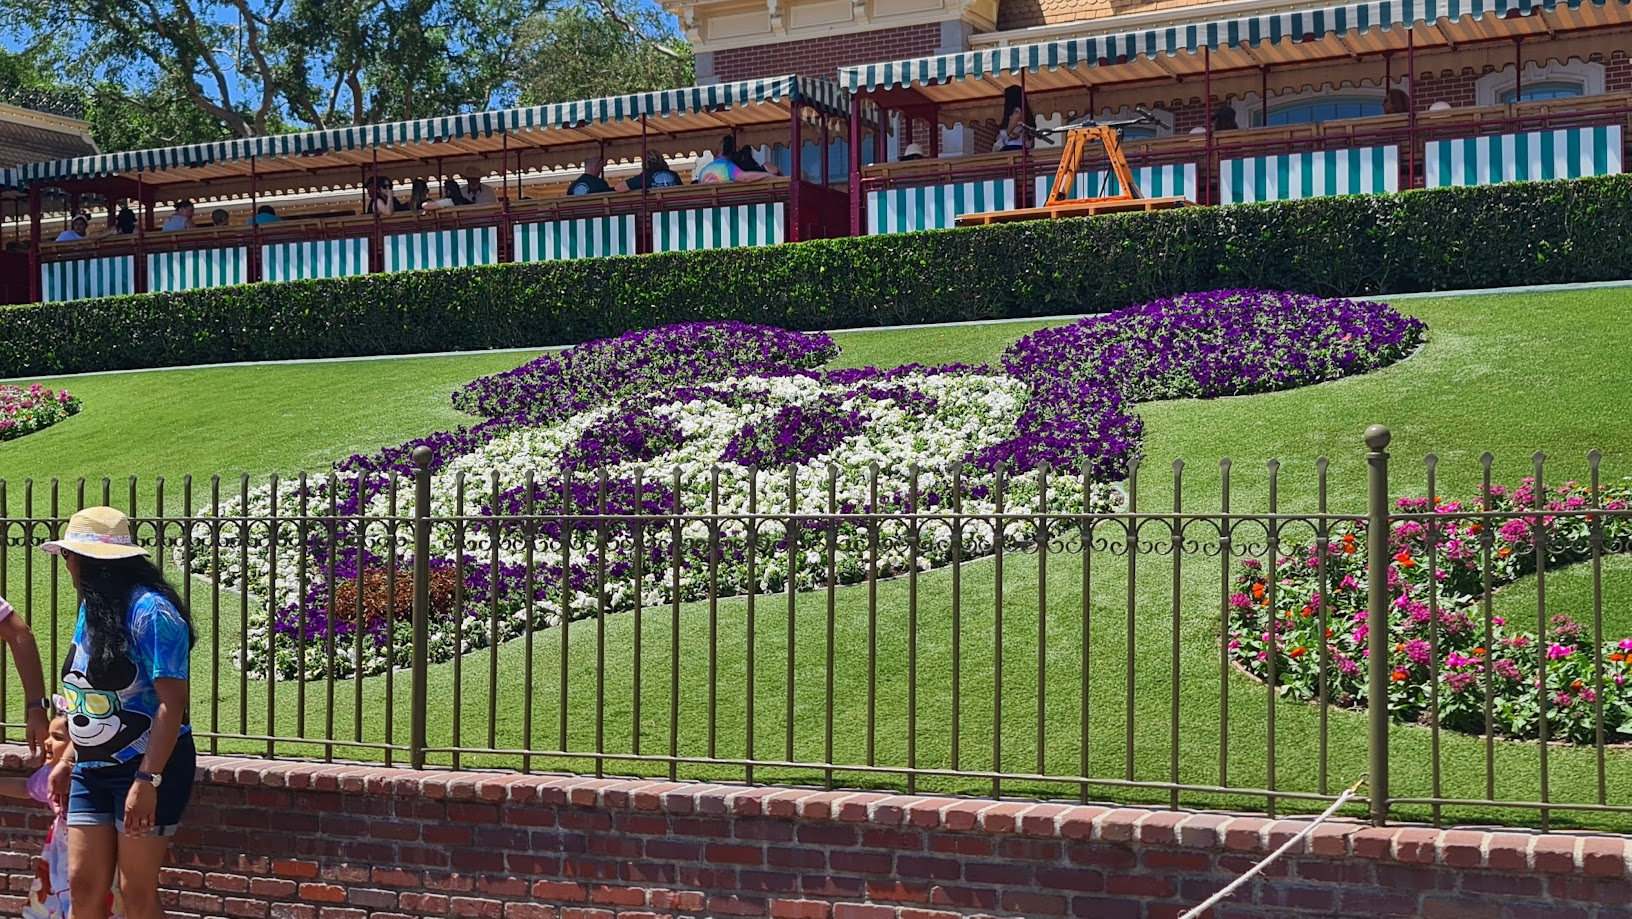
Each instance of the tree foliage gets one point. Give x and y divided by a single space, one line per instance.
580 52
159 72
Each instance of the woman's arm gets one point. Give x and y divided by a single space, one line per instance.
14 631
143 799
15 788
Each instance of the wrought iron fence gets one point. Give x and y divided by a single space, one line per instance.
979 640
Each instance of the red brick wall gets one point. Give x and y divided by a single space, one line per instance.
822 57
295 841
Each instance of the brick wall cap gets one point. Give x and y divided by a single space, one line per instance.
1584 854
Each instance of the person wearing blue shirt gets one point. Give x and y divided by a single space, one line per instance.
265 214
655 174
129 775
591 182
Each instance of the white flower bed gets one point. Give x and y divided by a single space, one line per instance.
970 411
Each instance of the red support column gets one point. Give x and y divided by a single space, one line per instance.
506 236
1207 113
643 242
145 200
376 257
797 170
1411 109
255 267
1023 183
855 166
35 204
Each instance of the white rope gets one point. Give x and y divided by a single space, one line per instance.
1257 869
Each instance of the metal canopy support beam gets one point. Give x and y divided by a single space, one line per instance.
798 176
35 204
643 241
1411 109
1021 199
1518 69
855 166
255 267
1207 113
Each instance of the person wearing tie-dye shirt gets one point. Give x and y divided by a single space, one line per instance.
129 776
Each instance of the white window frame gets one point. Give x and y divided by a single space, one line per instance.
1490 88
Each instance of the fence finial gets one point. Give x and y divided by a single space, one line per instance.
1377 438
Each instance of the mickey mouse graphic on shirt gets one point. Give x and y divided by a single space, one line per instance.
98 721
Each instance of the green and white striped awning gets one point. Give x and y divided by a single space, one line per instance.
820 94
10 179
1307 26
777 92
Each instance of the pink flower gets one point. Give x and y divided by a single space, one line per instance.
1557 652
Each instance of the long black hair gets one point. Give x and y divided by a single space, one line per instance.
1014 100
107 587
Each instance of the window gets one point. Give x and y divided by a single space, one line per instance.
1552 89
1322 108
1553 81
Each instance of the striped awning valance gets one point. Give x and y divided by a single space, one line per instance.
819 94
791 90
10 179
1249 31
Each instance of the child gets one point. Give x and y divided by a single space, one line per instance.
48 897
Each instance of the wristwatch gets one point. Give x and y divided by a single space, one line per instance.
150 778
43 704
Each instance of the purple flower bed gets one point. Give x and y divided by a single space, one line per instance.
557 386
1087 376
673 397
797 434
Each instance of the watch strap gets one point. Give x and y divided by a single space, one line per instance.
149 778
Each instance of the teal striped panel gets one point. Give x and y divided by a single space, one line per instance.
585 238
196 268
442 249
85 278
1177 180
1567 153
718 227
1287 177
934 207
324 258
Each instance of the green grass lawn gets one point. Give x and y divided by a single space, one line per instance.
1511 374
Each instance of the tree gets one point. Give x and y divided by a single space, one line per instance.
585 53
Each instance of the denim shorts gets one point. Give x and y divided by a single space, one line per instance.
99 792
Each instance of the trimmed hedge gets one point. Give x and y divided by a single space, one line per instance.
1522 233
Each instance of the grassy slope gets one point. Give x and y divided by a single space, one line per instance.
1488 380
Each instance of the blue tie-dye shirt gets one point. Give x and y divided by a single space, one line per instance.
110 713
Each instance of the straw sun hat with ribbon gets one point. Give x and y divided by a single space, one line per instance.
97 532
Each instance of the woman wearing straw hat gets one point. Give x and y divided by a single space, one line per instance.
124 679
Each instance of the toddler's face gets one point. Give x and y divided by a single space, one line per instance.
56 744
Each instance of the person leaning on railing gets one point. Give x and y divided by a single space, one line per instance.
129 777
25 656
78 230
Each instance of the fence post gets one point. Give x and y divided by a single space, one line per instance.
1377 557
422 604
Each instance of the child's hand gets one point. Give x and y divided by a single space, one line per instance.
62 780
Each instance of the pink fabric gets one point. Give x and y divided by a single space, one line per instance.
39 785
5 608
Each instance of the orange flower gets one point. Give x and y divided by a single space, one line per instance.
1405 560
1474 528
1503 552
1576 686
1399 647
1348 537
1307 612
1617 657
1400 676
1348 548
1257 591
1328 633
1478 652
1298 651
